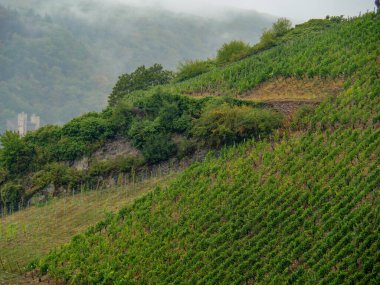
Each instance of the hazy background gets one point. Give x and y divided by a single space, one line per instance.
295 9
60 58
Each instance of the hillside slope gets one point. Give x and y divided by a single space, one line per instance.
33 232
298 208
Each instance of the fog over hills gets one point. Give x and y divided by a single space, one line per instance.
61 58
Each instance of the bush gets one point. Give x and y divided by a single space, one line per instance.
185 147
281 27
117 165
11 196
68 149
227 124
141 130
158 147
192 68
88 128
269 36
302 116
121 117
267 39
233 51
3 175
16 154
63 176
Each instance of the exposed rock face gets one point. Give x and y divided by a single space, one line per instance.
119 147
116 148
81 164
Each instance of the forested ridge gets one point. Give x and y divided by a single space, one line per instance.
276 201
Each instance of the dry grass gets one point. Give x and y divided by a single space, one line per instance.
288 90
33 232
293 89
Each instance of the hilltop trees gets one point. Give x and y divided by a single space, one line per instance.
141 79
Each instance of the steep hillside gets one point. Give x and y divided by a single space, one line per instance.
35 231
295 208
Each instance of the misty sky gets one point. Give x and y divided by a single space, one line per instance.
295 9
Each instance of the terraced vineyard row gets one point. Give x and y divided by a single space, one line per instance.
308 211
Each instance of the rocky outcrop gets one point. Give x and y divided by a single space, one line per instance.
119 147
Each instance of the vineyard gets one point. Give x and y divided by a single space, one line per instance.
316 49
300 206
34 231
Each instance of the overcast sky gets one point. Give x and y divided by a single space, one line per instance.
295 9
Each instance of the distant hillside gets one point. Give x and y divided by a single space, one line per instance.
60 60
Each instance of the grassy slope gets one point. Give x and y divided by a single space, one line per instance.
302 209
33 232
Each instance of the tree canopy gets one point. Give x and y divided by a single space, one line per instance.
141 79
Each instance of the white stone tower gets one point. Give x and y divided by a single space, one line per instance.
36 121
22 123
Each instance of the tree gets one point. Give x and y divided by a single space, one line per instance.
232 51
16 154
141 79
281 26
269 36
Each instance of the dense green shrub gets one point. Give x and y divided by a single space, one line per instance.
232 51
121 117
158 147
3 175
185 147
267 39
115 166
59 175
226 124
89 128
192 68
11 196
15 154
270 36
281 26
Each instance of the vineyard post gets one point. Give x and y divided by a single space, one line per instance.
64 202
126 190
